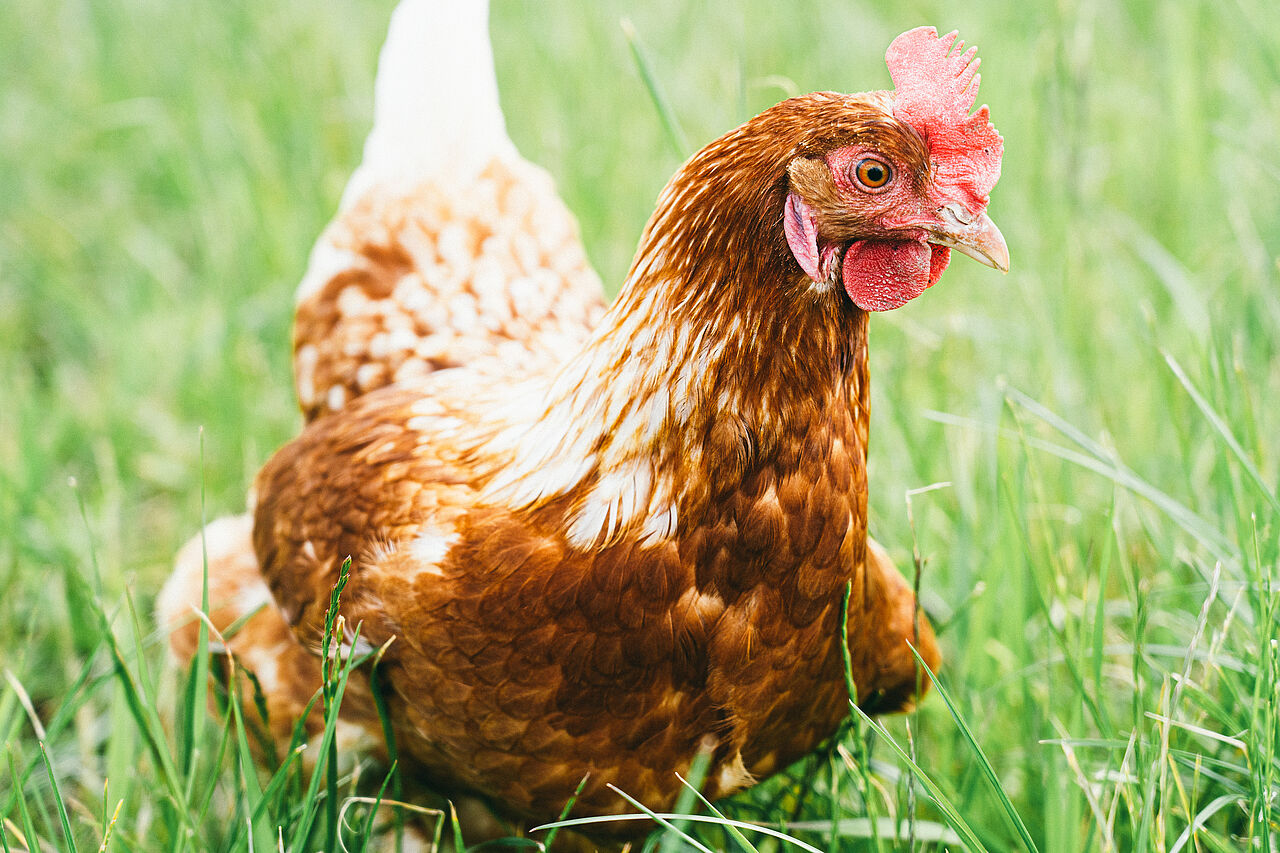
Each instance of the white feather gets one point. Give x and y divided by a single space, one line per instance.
430 547
436 111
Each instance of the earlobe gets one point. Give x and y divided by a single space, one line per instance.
802 235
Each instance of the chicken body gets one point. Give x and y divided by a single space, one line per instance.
603 544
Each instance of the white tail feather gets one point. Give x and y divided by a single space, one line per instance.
436 108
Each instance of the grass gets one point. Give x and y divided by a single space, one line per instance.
1101 561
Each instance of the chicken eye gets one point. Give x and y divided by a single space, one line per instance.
872 173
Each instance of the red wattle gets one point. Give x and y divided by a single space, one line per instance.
937 262
881 275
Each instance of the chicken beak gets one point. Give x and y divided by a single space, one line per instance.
975 236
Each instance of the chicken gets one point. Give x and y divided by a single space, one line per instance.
600 541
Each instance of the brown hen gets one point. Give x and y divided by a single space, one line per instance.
601 540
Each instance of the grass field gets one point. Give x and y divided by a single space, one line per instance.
1100 427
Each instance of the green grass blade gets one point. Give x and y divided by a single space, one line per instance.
140 657
1067 656
456 829
148 725
389 740
851 689
667 822
688 797
1099 613
949 811
988 772
1196 525
275 787
61 719
20 802
251 793
110 827
143 712
564 812
367 831
331 644
660 817
861 752
67 835
1104 462
670 122
734 832
332 689
211 782
195 694
1219 424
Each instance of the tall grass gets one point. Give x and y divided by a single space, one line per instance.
1101 553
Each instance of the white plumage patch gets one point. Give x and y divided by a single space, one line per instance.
354 647
326 261
265 664
436 108
612 505
598 429
430 547
734 777
336 398
659 525
251 597
224 537
304 371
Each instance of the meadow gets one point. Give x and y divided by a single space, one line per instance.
1080 459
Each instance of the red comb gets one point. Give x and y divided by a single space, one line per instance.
937 81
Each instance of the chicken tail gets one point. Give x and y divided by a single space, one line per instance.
448 249
435 99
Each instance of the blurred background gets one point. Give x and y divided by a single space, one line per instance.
1099 426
